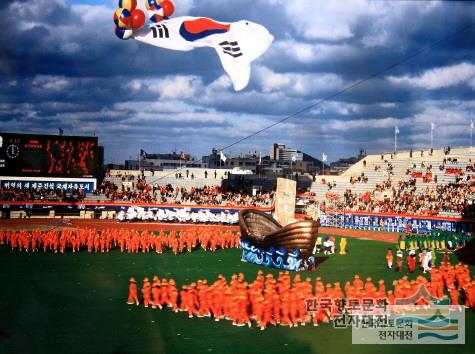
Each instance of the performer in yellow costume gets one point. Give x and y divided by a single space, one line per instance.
343 245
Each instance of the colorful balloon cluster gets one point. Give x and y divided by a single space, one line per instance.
128 17
159 10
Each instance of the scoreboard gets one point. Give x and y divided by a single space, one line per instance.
49 155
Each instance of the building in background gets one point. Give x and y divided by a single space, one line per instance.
161 162
280 161
279 152
248 161
342 165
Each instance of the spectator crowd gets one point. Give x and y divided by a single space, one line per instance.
41 194
406 198
142 192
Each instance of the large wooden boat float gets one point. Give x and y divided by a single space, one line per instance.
263 231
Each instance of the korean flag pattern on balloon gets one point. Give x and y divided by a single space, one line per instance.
199 28
237 43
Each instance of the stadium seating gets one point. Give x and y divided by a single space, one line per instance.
446 168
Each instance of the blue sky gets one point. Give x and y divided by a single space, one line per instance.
62 66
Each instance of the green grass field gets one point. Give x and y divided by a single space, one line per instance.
75 303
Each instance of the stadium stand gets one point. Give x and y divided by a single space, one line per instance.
438 182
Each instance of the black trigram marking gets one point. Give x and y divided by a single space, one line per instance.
160 31
231 48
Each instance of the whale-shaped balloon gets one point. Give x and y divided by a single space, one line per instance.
237 43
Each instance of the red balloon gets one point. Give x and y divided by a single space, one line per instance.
168 8
138 19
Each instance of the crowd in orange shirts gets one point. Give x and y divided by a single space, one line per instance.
267 300
94 240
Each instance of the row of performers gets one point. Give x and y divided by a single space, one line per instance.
437 239
182 215
131 241
280 301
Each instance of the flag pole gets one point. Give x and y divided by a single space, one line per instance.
323 163
260 164
395 139
471 134
431 135
431 138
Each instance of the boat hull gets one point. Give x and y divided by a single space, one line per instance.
265 232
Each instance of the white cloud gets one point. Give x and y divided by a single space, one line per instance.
388 105
50 83
442 117
270 80
34 8
375 40
180 87
329 20
158 106
170 87
345 125
296 83
183 7
322 20
221 83
463 73
308 53
139 117
92 15
337 107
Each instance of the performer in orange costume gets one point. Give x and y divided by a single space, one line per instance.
133 298
156 293
471 294
164 293
146 292
454 295
173 295
358 283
